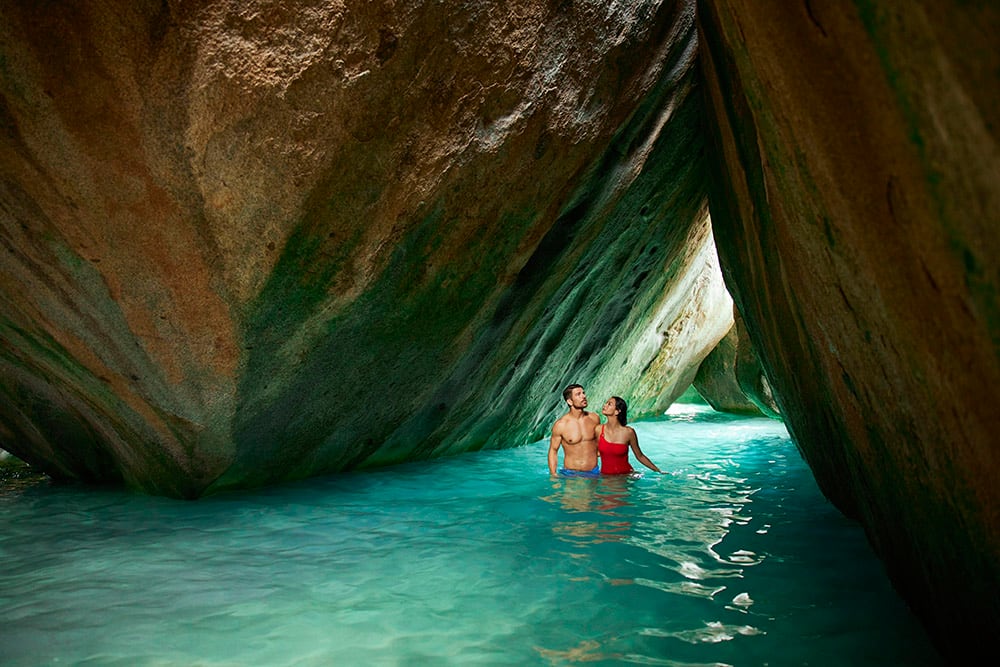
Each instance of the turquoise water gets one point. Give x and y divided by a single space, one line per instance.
733 559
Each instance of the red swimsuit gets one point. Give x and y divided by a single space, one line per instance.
614 457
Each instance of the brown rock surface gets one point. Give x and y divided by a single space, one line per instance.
245 242
855 201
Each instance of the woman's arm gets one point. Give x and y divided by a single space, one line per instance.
633 441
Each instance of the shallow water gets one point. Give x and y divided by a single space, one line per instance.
734 558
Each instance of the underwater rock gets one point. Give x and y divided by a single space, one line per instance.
855 194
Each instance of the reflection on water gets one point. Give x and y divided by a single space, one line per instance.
734 558
594 509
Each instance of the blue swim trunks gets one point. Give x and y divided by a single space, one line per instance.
596 472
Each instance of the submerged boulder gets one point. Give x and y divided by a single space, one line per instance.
855 195
246 242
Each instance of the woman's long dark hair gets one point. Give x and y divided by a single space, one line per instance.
622 410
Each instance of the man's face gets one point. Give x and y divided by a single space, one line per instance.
578 399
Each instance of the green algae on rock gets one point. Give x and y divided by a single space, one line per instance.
249 246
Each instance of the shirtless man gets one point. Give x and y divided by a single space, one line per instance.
575 433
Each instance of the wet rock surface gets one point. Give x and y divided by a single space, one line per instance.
854 197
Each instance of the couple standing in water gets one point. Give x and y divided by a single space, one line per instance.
585 440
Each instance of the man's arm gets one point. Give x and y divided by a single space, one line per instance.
597 434
554 444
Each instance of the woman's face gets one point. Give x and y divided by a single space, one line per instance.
609 408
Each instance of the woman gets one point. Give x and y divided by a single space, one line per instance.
614 439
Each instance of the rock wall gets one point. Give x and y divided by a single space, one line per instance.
245 242
855 196
731 380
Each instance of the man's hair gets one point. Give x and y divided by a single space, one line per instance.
568 391
622 408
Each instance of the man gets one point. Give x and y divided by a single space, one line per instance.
575 433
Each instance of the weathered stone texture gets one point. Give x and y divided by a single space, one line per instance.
750 375
245 242
855 199
718 378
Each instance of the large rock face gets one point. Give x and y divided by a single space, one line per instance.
855 201
253 241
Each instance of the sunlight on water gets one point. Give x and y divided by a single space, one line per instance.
734 558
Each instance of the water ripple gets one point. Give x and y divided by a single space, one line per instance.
476 559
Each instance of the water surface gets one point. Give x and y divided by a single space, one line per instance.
734 558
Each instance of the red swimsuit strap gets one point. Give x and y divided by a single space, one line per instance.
623 444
